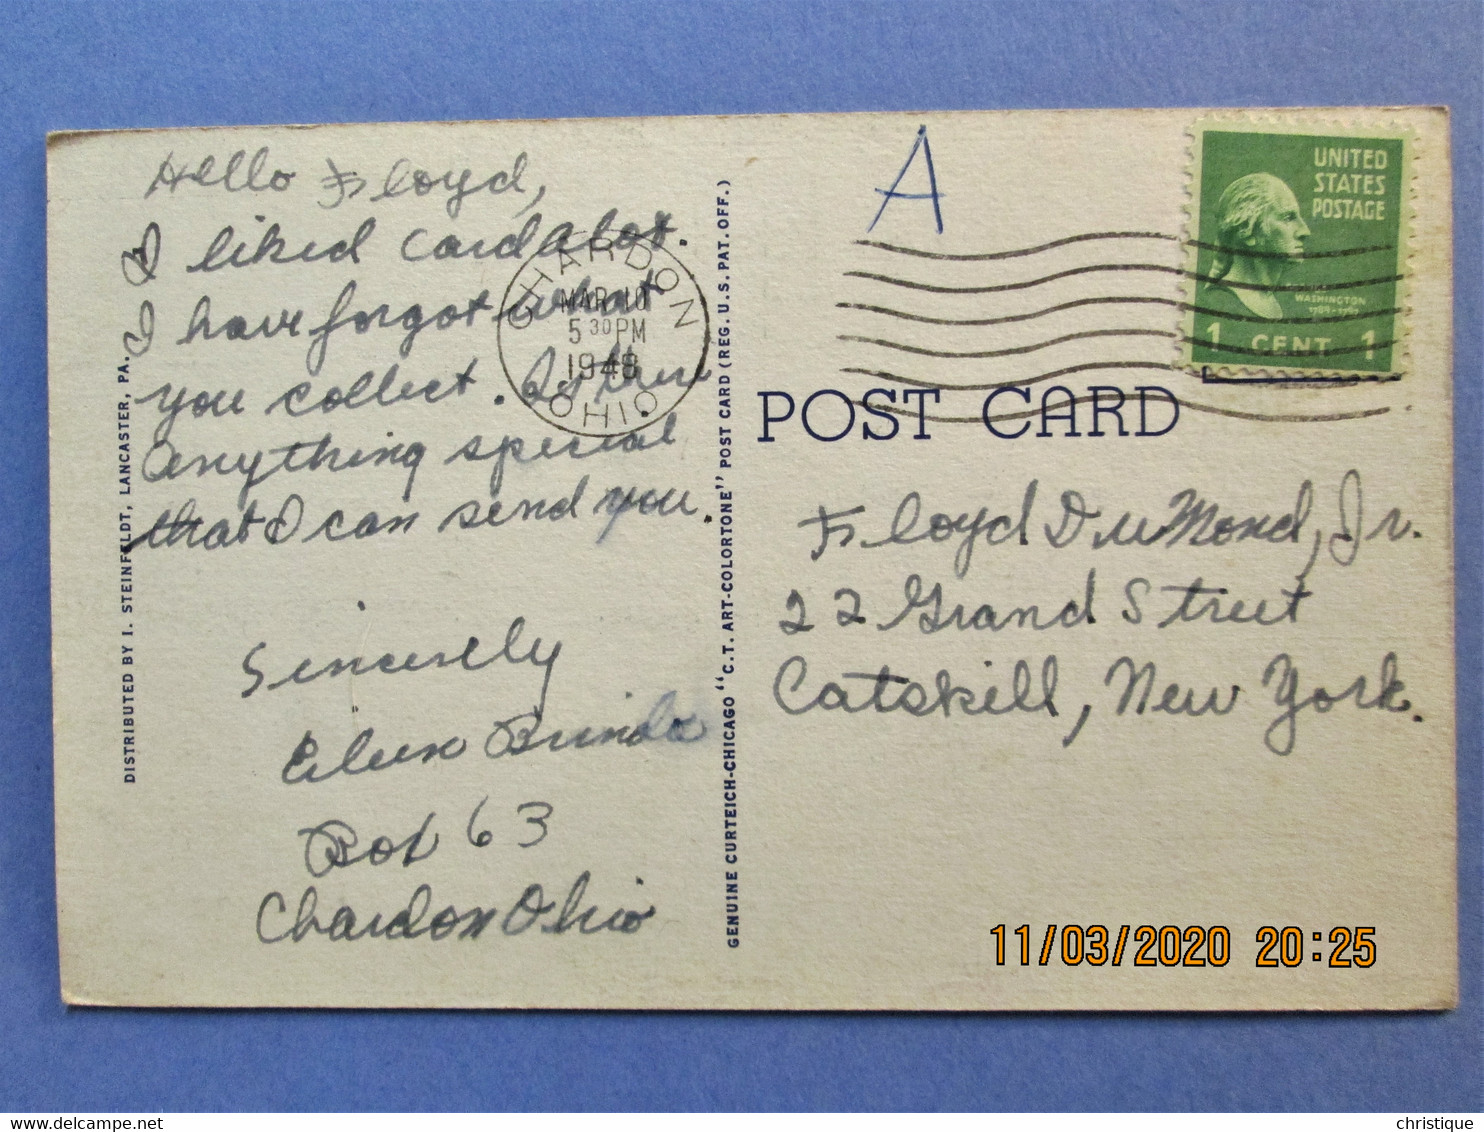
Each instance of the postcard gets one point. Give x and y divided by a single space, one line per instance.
936 561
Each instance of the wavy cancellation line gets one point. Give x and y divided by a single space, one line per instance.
1089 367
979 257
1185 403
1157 300
1132 332
1161 268
959 355
975 257
1083 367
1338 351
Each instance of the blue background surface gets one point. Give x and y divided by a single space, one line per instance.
78 66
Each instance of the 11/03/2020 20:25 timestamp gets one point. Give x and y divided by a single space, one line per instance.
1172 946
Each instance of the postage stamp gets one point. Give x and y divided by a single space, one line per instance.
605 340
1297 254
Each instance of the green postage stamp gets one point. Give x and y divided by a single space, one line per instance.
1298 254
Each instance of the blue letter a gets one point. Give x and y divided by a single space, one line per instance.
891 194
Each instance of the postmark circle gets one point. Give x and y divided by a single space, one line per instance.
606 340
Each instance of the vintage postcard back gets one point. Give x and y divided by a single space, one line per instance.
937 561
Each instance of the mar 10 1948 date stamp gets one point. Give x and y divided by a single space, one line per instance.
1297 254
